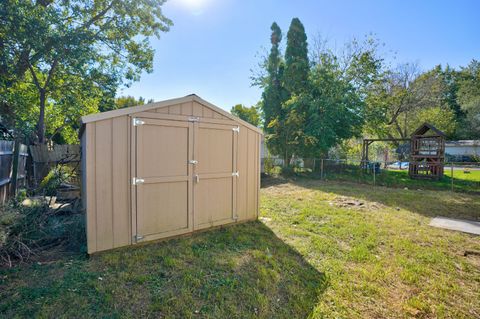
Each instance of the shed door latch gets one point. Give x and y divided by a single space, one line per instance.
137 181
236 174
194 162
137 122
236 129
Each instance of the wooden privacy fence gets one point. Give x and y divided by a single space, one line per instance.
13 159
46 157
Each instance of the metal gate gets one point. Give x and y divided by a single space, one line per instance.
185 176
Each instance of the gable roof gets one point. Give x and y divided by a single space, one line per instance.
156 105
425 127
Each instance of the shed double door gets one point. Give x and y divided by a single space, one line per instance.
185 177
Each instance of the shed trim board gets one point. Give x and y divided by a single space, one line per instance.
192 172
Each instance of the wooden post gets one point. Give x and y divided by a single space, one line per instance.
321 169
16 155
374 169
451 175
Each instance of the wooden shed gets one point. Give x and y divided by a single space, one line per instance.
165 169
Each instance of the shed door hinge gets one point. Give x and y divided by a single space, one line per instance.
136 181
137 122
193 119
236 129
236 174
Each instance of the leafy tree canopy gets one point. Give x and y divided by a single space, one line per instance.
61 59
249 114
128 101
296 58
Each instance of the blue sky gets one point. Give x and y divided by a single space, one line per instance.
214 44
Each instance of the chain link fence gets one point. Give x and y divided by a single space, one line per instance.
458 176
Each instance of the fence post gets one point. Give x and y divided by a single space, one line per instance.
451 174
321 169
16 155
374 169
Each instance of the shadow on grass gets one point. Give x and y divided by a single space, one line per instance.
429 203
237 271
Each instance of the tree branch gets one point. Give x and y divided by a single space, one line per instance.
99 15
50 73
34 76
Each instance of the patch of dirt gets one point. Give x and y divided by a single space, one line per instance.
474 259
282 189
355 203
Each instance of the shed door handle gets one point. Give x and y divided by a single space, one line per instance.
197 178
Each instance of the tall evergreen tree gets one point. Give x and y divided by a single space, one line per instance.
271 95
296 58
274 95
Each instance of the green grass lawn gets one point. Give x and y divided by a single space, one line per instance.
462 181
320 250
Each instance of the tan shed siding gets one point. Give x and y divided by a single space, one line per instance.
174 109
248 164
243 173
120 182
257 173
90 187
203 111
83 171
104 200
107 184
208 113
186 108
197 109
163 110
251 178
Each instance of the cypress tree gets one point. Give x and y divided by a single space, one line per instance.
271 96
296 58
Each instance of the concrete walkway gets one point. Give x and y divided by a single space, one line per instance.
466 226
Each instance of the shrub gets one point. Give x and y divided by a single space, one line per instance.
268 165
288 170
53 180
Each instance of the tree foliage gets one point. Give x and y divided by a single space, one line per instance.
128 101
248 114
67 58
405 97
296 58
274 94
319 103
311 105
469 100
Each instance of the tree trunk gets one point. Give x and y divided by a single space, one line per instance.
41 118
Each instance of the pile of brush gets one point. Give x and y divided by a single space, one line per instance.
29 227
